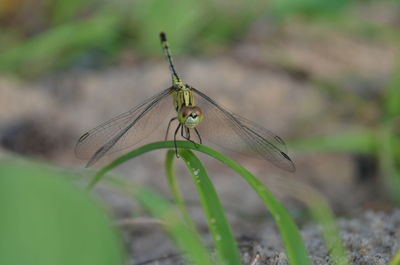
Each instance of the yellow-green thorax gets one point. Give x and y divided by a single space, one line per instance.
188 113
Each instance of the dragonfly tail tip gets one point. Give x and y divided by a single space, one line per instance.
163 37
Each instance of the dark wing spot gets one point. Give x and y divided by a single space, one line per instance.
286 156
83 137
292 167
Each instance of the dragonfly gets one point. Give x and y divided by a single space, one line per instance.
197 116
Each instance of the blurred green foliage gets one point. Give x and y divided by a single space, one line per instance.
396 259
380 141
213 210
42 36
52 222
308 7
45 220
74 31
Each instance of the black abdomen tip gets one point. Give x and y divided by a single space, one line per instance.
163 37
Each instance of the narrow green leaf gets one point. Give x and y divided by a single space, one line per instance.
173 186
296 251
223 238
186 237
396 259
45 220
387 159
323 216
392 96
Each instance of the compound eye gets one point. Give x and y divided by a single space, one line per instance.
186 112
196 111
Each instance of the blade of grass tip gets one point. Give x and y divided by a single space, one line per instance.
396 259
293 243
323 216
173 186
224 241
392 96
186 238
388 163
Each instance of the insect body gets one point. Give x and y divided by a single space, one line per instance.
194 111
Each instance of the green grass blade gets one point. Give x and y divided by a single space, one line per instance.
387 160
392 96
296 251
323 216
186 237
223 238
47 220
396 259
173 186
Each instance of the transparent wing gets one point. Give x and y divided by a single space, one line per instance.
262 132
236 133
124 130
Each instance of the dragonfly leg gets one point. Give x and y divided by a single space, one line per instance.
187 135
176 132
198 135
195 144
169 124
183 136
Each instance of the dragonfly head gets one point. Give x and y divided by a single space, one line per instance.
190 116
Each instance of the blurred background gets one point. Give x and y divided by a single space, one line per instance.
324 75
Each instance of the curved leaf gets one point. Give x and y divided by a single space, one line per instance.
296 251
224 241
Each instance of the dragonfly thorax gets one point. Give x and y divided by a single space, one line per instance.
190 116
